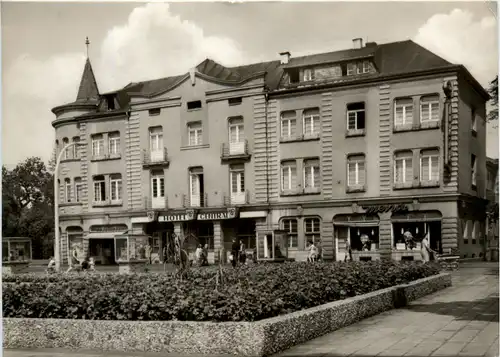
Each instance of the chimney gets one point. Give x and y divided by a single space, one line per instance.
371 44
285 57
357 43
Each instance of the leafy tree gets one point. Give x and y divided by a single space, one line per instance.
28 203
493 91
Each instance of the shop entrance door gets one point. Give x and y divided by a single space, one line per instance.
103 251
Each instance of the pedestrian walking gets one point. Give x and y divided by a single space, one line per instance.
147 251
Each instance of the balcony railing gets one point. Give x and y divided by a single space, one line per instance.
155 202
195 200
237 198
155 158
238 150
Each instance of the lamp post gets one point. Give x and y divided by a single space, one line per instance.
57 249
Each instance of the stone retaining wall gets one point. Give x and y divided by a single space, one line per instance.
261 338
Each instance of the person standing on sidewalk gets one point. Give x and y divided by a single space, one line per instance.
235 250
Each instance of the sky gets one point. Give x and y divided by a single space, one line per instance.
43 46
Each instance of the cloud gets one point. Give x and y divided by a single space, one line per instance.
461 39
153 43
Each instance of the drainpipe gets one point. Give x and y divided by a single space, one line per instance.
266 96
447 88
129 186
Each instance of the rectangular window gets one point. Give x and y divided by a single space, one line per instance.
366 66
196 186
288 123
157 185
473 165
236 130
154 111
308 75
465 232
356 116
156 138
311 124
97 145
356 170
290 226
99 189
195 134
351 69
288 176
67 189
429 165
234 101
403 111
312 230
76 151
114 143
116 187
196 104
237 173
403 168
78 189
475 231
311 173
429 109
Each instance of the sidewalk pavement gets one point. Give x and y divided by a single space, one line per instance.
459 321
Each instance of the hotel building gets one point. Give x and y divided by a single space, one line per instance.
365 143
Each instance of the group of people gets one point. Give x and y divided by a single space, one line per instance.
315 251
201 255
239 253
85 264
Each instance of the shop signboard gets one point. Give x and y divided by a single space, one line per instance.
386 208
230 213
187 215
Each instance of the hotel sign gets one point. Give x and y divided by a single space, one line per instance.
217 215
386 208
188 215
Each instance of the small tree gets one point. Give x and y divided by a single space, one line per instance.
493 91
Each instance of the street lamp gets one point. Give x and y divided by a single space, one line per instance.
57 249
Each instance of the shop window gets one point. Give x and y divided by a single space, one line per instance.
246 233
403 167
364 238
403 112
290 226
429 109
288 176
429 166
311 122
288 125
409 235
312 230
205 234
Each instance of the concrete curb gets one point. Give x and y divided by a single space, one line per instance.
261 338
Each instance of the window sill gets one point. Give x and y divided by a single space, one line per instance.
415 127
69 204
299 138
353 189
71 160
350 133
429 184
302 192
195 147
312 191
107 203
405 186
106 157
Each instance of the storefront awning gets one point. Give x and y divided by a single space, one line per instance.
104 235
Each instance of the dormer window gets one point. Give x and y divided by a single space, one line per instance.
307 75
294 75
110 101
351 69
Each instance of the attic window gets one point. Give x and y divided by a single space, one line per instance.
234 101
110 100
196 104
308 75
154 111
294 75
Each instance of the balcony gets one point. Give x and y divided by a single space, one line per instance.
195 200
237 198
235 151
156 158
156 202
107 203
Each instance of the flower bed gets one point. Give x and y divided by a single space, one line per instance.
247 294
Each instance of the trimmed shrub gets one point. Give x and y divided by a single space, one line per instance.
247 294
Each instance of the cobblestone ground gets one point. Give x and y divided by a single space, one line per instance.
459 321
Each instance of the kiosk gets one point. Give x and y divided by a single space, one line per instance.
130 251
272 246
16 254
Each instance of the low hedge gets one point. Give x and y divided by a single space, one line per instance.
247 294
